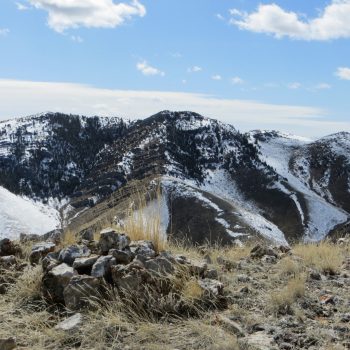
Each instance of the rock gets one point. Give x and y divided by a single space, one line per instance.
259 251
231 326
7 247
327 299
121 256
81 290
197 268
345 317
211 287
314 275
84 265
54 236
55 281
208 259
243 278
110 239
69 254
7 261
50 261
227 264
145 248
71 323
24 238
87 235
212 274
260 340
269 259
40 250
102 266
8 344
160 265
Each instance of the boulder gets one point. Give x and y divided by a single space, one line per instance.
86 235
8 261
102 266
55 281
160 265
7 247
111 239
145 248
70 323
69 254
40 250
122 256
84 265
50 261
80 290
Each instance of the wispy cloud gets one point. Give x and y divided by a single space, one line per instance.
4 31
343 73
332 23
237 81
244 114
323 86
216 77
294 86
194 69
147 69
21 7
63 14
77 39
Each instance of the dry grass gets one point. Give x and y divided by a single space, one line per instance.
281 301
289 267
324 257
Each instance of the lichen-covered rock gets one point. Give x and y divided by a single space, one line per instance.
69 254
55 281
111 239
81 290
40 250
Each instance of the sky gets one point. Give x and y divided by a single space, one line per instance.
279 64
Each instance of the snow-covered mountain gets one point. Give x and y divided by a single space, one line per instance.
217 184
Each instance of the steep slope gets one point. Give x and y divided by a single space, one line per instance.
290 156
22 215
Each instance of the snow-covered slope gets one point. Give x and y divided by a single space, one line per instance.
319 216
22 215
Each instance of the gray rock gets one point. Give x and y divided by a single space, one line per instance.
211 287
84 264
8 344
110 239
7 261
24 238
7 247
80 291
87 234
102 266
212 274
197 268
160 265
121 256
71 323
55 281
69 254
50 261
145 248
40 250
260 250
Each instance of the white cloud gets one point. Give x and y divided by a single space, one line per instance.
294 86
216 77
237 81
77 39
21 7
66 14
82 99
146 69
194 69
323 86
332 23
220 17
4 31
343 73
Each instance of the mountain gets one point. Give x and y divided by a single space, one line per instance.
208 181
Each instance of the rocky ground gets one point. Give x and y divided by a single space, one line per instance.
111 291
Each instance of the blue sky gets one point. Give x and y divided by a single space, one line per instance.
256 64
